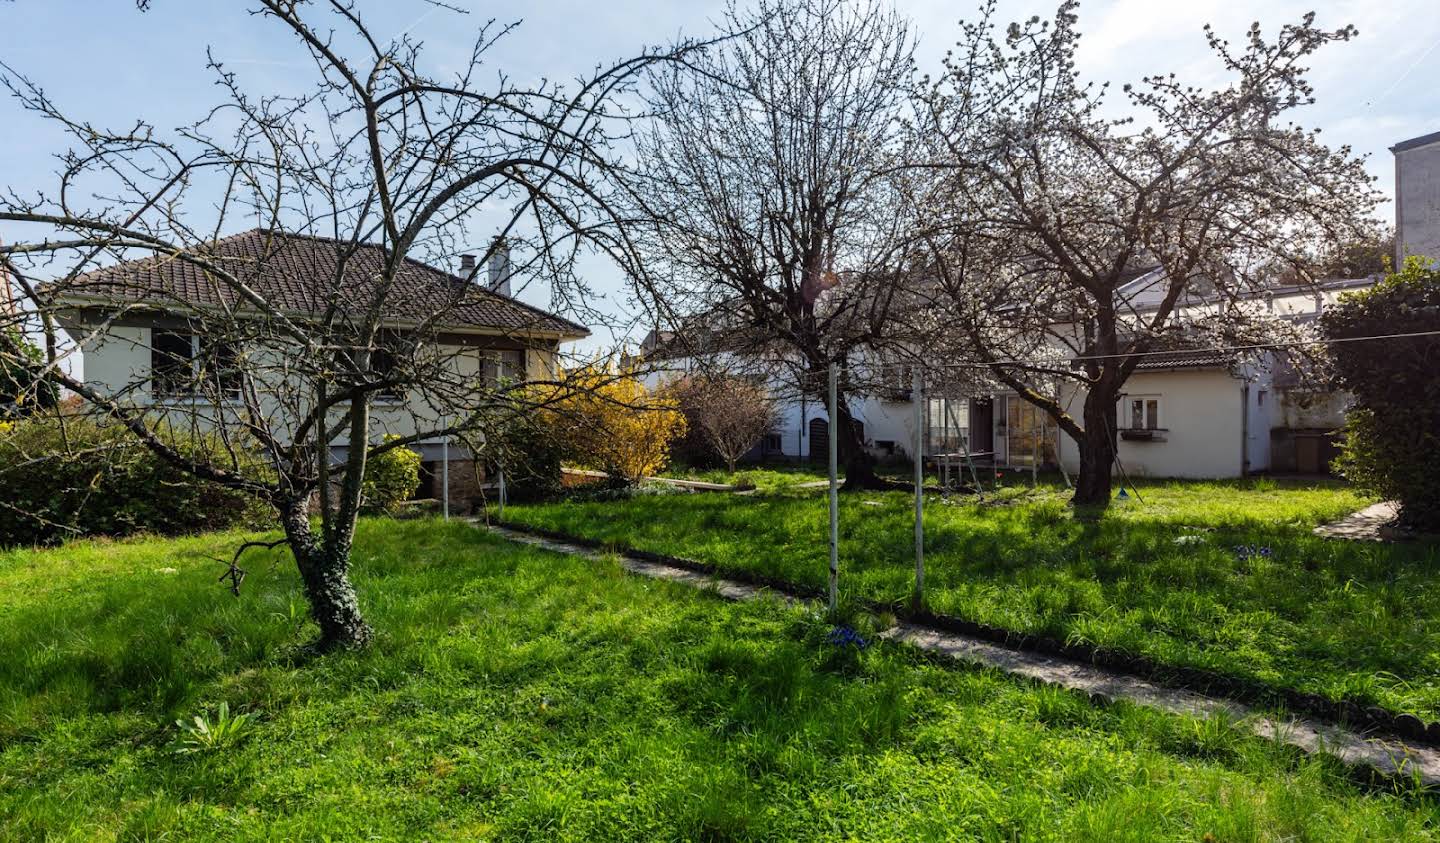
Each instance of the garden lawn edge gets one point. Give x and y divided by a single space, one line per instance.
1342 712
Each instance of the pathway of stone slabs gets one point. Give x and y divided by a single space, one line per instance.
1388 755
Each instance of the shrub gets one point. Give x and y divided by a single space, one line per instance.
65 476
23 389
201 735
391 478
1392 435
730 413
532 453
612 423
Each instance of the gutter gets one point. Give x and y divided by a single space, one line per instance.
74 301
1245 429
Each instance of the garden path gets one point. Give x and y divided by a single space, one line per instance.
1390 756
1366 525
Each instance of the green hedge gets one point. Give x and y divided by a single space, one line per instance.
1392 436
83 478
391 478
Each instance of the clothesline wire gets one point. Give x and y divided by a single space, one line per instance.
1172 352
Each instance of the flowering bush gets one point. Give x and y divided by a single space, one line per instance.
611 422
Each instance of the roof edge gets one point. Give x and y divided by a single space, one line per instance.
1415 143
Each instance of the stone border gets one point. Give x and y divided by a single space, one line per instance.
692 485
1341 713
1369 524
1389 759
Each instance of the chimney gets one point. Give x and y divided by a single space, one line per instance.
500 267
467 266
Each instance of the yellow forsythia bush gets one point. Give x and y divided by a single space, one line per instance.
609 421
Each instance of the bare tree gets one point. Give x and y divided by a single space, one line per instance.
732 413
1063 243
313 335
763 174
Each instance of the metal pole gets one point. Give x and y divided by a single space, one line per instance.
445 476
501 514
834 438
919 397
1035 457
965 446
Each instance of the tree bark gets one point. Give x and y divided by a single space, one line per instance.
859 466
1097 451
325 572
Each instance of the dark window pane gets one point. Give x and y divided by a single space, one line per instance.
220 369
502 366
385 363
171 367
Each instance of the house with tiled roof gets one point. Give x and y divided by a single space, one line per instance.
1187 409
139 324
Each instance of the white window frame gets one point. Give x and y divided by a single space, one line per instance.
1127 417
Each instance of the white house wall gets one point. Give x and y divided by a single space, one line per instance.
884 420
1201 411
117 362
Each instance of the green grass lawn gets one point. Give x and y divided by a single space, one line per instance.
1223 576
774 477
517 694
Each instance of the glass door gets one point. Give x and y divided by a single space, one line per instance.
1028 434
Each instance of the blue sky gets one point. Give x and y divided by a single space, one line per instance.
108 63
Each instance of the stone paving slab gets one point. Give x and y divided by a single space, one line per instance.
1366 525
1390 756
692 485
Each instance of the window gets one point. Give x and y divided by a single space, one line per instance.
220 371
185 364
1142 412
172 362
500 366
384 362
948 423
770 444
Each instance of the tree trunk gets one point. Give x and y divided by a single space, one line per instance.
859 465
1097 451
325 572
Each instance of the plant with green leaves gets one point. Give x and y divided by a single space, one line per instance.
24 387
391 477
67 475
1392 435
203 735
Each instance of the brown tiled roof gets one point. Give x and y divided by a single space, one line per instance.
1192 359
297 273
